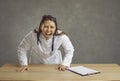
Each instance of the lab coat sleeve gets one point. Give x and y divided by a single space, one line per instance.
68 49
23 47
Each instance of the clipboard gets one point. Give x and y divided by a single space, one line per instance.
83 71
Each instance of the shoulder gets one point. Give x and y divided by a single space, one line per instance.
30 34
59 31
62 35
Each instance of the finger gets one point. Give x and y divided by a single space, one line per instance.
59 68
63 69
19 69
23 69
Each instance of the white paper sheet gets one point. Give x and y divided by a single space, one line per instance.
83 70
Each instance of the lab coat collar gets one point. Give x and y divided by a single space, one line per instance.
42 37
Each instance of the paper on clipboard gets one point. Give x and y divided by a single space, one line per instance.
83 70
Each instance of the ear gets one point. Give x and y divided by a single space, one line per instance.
41 27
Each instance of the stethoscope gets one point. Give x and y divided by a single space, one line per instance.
52 46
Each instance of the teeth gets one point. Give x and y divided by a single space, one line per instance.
48 33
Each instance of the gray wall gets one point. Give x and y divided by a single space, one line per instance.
92 25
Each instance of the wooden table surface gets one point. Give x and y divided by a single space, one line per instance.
42 72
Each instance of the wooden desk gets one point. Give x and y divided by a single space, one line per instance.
42 72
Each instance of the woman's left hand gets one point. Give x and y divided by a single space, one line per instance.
62 67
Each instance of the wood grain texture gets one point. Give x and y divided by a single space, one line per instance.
42 72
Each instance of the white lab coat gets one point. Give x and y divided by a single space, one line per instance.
41 53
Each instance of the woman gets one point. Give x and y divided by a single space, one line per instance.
44 45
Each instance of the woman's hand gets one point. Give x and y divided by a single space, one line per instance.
62 67
22 68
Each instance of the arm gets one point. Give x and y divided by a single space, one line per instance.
23 47
68 49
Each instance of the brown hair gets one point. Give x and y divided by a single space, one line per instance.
45 18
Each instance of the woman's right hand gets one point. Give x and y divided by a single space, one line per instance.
22 68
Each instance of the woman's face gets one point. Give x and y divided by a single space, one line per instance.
48 29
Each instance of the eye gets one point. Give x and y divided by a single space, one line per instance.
52 27
45 26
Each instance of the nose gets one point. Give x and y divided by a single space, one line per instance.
48 29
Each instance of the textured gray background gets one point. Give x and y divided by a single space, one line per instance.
92 25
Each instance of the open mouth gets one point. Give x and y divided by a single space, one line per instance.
48 34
